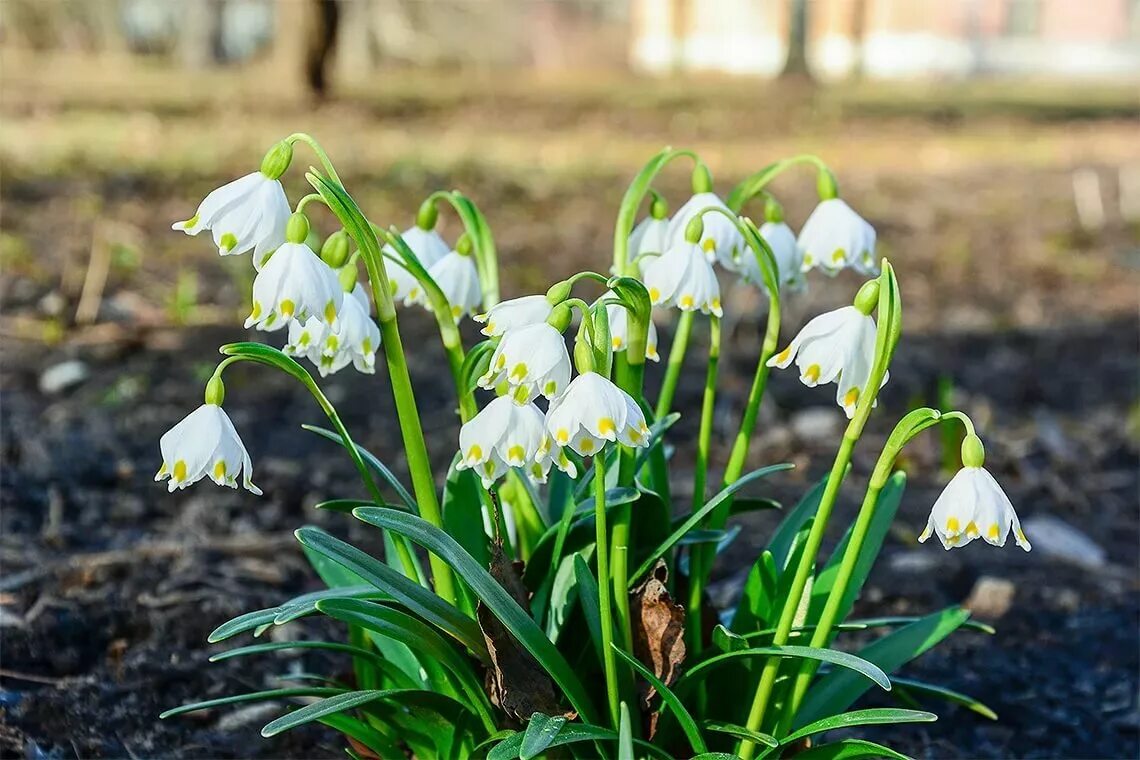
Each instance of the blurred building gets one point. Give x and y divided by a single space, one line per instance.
889 38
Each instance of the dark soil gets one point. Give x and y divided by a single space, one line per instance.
110 586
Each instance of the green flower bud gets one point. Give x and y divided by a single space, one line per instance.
559 292
560 317
867 299
347 277
773 211
463 245
583 355
297 231
277 160
658 207
334 252
695 229
215 391
702 179
826 185
428 215
973 452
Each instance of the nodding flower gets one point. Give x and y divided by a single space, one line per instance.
505 434
249 213
683 277
789 260
532 360
835 237
205 444
428 247
721 242
593 411
354 341
295 284
458 278
971 506
517 312
618 317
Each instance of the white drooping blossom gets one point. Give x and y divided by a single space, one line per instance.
532 360
618 317
504 435
721 241
458 278
354 341
517 312
789 261
592 411
838 347
294 284
429 248
971 506
205 444
834 237
648 240
683 277
249 213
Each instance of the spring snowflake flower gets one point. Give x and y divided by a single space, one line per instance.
458 278
517 312
721 240
619 330
838 347
205 444
648 240
504 435
248 213
354 341
684 278
789 260
592 411
971 506
532 360
294 284
429 248
834 237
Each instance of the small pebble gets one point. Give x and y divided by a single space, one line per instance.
59 377
817 424
1055 538
991 597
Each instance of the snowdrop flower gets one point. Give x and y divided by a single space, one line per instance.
592 411
619 330
834 237
205 444
249 213
789 263
295 284
973 505
838 347
458 278
650 237
720 241
505 434
684 278
532 360
517 312
429 248
354 341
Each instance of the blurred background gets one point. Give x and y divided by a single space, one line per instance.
994 145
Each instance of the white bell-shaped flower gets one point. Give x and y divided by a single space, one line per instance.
294 284
839 347
592 411
834 237
789 262
504 435
429 248
532 360
517 312
721 241
683 277
306 339
458 278
971 506
619 331
354 341
648 241
205 444
248 213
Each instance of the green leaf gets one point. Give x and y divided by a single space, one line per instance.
394 674
745 504
475 364
305 604
695 518
572 733
327 706
851 662
871 717
268 695
415 597
591 604
625 735
574 530
463 512
345 506
838 690
756 603
905 685
716 756
781 543
380 468
885 510
540 732
563 596
498 601
670 700
740 732
363 733
850 749
333 573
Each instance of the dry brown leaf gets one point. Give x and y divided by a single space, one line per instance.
658 629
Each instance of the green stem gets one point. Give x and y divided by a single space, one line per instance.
316 147
631 201
476 227
608 658
306 200
702 556
676 361
755 184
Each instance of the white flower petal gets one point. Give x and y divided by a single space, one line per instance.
204 444
517 312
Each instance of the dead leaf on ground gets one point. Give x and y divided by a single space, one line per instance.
658 629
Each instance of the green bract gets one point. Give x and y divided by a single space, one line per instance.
563 602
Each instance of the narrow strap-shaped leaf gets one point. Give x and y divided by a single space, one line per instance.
625 735
695 518
304 605
374 462
257 696
857 664
850 749
540 732
591 604
363 733
740 732
340 703
396 675
571 733
498 601
869 717
684 719
922 688
805 509
415 597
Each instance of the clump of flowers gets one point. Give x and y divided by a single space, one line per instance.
563 602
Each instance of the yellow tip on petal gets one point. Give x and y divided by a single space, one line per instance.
220 470
953 526
516 455
995 532
851 397
587 446
287 308
475 453
179 473
562 436
654 295
812 373
330 312
685 302
972 529
606 425
784 355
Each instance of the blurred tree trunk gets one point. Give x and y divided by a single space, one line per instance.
321 25
357 41
796 65
198 33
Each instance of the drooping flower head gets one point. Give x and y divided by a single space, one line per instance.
780 238
205 444
354 341
428 247
532 360
295 284
834 237
458 278
593 411
683 276
505 434
838 347
618 317
650 237
720 240
249 213
973 505
517 312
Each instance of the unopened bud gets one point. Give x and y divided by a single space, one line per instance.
277 160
